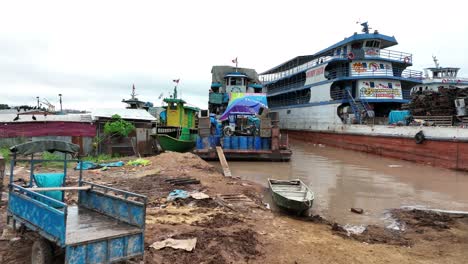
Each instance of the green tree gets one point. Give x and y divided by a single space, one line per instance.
118 126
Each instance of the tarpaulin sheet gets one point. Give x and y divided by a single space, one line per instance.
45 145
396 116
50 180
245 103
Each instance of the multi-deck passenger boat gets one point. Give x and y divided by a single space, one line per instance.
341 95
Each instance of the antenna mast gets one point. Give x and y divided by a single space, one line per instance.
436 61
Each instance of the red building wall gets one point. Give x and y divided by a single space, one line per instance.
38 129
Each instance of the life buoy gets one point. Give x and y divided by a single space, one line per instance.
407 59
351 56
419 137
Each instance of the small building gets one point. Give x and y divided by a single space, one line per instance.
138 142
17 128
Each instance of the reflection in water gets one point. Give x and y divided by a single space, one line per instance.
342 179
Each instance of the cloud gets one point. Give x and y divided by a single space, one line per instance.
92 52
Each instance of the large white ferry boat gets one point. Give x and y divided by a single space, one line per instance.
341 96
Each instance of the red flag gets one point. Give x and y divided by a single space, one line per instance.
234 60
176 80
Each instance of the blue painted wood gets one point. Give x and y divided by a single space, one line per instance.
105 251
126 211
135 245
41 216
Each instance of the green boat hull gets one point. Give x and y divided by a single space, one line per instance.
169 143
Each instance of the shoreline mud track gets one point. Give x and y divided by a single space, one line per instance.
233 225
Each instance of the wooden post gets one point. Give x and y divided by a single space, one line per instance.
2 174
222 160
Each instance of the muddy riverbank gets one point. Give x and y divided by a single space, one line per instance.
234 225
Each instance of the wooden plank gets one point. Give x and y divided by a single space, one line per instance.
222 160
39 189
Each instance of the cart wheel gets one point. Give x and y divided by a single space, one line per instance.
41 252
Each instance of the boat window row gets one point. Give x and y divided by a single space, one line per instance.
291 98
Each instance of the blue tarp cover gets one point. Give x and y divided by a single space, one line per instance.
244 103
396 116
88 165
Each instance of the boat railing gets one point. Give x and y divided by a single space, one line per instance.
368 54
389 54
449 79
338 94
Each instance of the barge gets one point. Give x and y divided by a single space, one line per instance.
238 120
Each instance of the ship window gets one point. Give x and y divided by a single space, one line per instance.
236 81
356 45
372 84
382 66
364 65
370 44
288 112
172 106
390 85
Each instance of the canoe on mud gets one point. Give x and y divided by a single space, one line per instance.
292 195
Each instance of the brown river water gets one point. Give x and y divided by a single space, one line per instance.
342 179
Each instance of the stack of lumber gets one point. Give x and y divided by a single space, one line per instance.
435 103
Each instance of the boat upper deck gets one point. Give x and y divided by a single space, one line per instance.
358 46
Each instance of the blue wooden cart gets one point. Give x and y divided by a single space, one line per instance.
106 226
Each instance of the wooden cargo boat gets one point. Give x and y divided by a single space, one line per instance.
292 195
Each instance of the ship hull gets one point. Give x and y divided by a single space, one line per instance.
446 153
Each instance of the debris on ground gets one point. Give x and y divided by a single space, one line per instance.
139 162
185 244
199 196
177 194
183 181
357 210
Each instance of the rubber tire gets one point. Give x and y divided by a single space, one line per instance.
419 137
41 252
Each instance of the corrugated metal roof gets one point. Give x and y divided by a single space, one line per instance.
135 114
9 118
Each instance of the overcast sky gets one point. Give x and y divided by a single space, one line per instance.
93 51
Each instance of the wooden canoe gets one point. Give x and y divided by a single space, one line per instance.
292 195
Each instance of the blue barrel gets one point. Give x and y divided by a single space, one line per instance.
206 142
266 144
257 143
250 142
226 142
234 142
199 144
242 142
211 140
217 141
